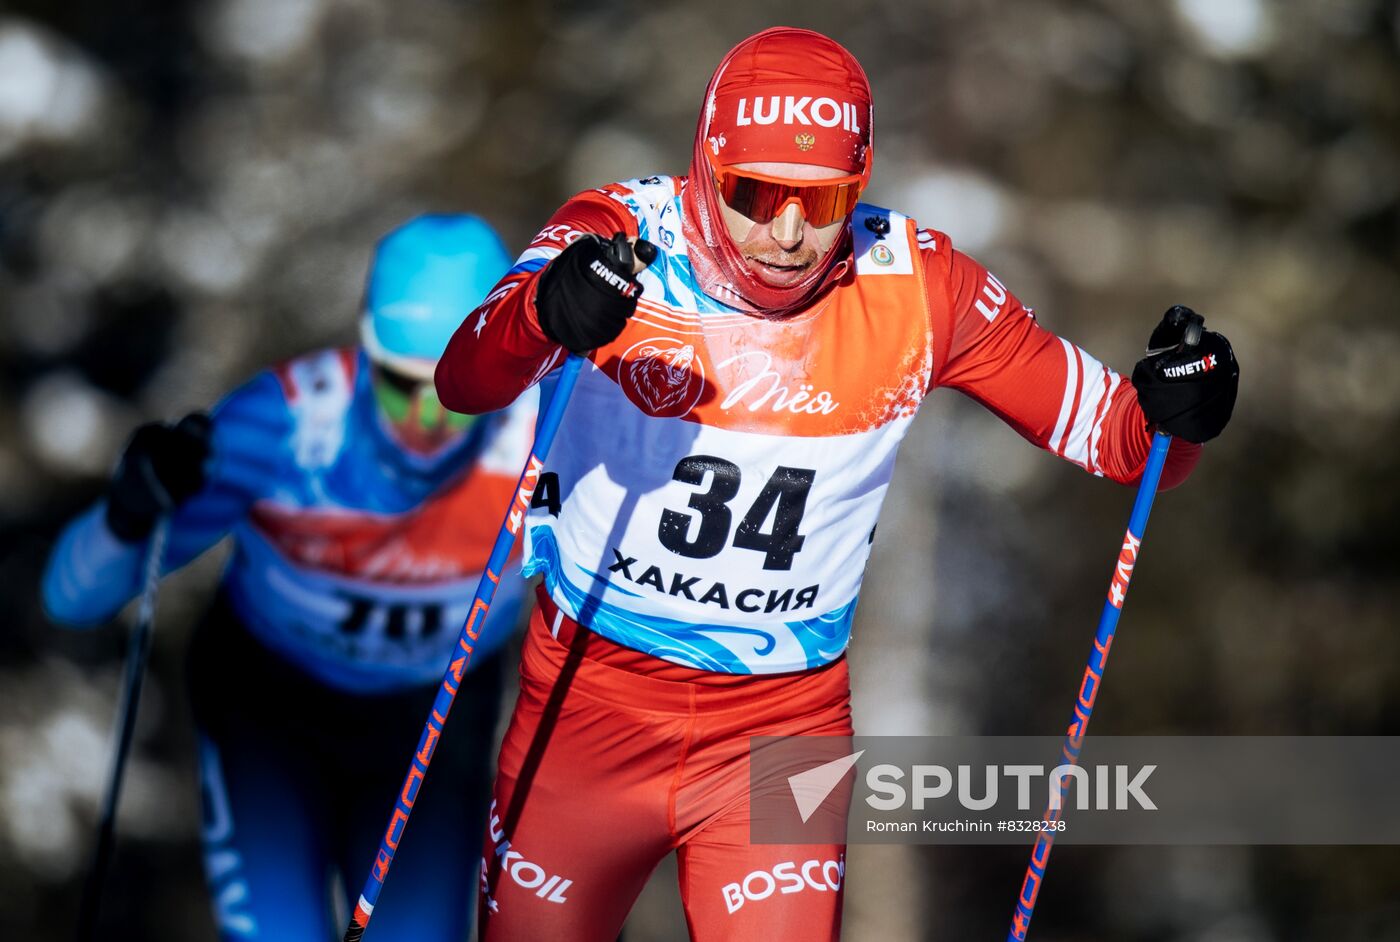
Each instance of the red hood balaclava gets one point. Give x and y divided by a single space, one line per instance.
817 105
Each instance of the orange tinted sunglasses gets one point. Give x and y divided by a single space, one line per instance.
760 197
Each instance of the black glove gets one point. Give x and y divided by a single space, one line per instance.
587 293
162 467
1187 383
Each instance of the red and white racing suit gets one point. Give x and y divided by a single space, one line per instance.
707 514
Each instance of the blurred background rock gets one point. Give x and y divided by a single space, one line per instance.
189 190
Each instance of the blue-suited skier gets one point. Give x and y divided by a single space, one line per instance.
361 514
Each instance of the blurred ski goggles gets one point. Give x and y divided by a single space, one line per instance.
762 198
410 404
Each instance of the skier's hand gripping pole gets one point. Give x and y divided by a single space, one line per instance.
1180 337
619 254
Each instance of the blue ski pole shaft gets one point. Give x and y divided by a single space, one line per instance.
138 650
1093 679
476 618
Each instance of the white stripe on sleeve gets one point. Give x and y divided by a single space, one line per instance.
1113 380
1092 396
1071 380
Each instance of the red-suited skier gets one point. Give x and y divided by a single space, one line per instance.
710 499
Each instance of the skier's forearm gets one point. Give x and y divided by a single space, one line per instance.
90 574
1063 400
498 352
1049 390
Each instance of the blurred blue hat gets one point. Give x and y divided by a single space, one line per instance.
427 276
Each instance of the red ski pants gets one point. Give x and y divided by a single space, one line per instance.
612 760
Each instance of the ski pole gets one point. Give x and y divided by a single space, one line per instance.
485 591
138 650
1093 679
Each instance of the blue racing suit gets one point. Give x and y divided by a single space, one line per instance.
354 564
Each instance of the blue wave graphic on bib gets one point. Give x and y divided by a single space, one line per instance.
822 638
